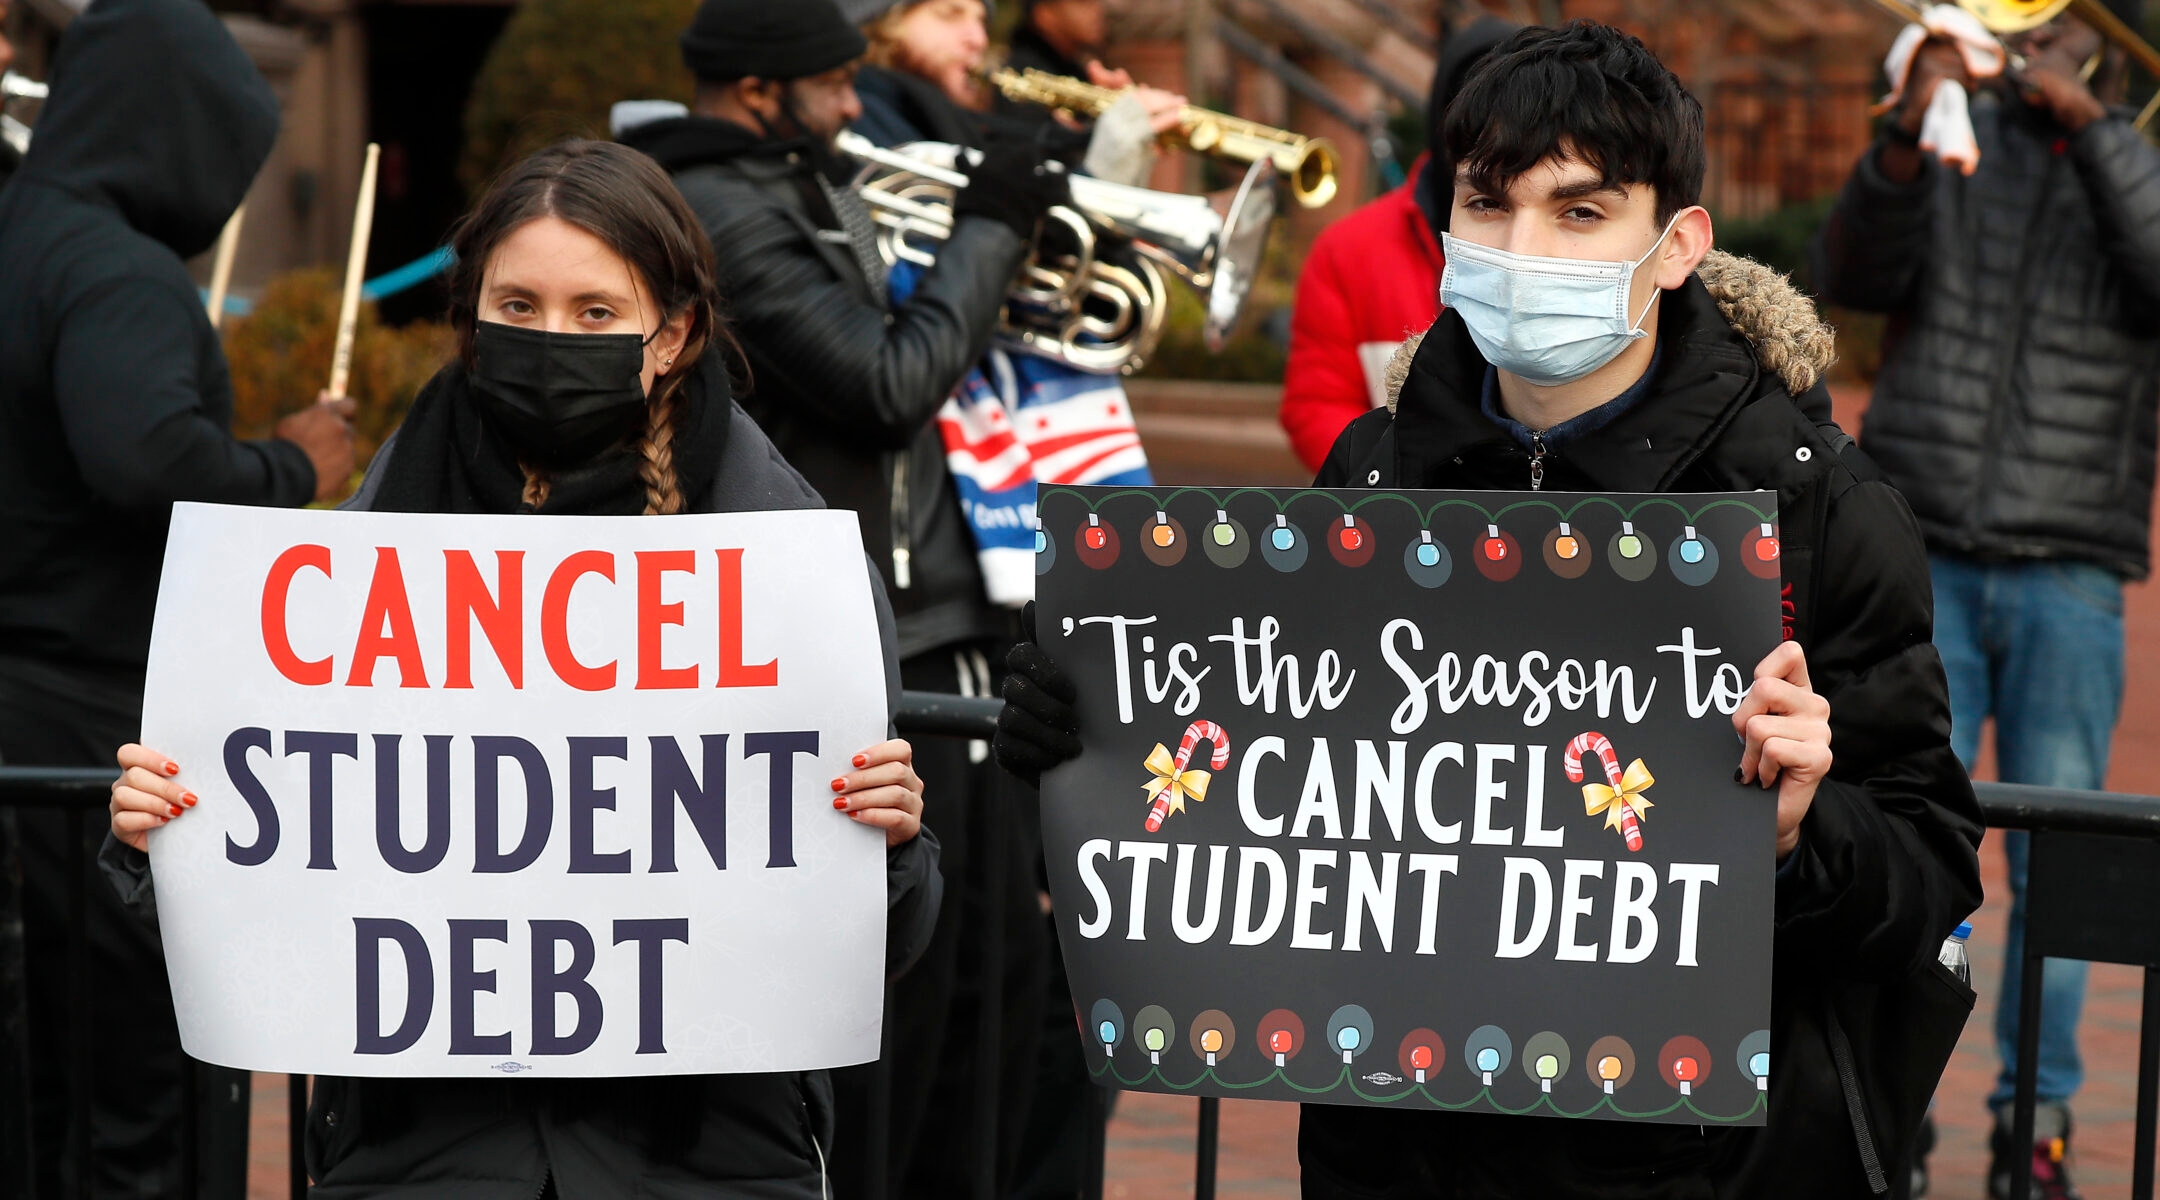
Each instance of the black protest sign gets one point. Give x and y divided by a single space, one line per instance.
1421 799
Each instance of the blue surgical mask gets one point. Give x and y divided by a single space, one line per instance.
1546 320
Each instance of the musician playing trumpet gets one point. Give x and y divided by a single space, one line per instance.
2015 410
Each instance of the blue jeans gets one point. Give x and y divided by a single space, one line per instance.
2039 647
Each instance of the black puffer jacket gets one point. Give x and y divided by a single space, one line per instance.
847 387
1887 862
2015 408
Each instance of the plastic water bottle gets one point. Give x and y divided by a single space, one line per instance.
1953 953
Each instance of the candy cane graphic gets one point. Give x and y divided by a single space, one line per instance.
1195 733
1600 745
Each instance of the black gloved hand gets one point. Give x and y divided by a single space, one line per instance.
1013 183
1038 728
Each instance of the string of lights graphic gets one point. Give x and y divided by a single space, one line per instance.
1567 550
1684 1062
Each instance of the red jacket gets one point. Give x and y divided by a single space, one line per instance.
1372 279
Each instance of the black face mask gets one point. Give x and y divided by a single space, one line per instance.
559 399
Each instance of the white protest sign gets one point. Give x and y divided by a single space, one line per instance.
487 795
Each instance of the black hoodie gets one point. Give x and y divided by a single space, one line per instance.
114 396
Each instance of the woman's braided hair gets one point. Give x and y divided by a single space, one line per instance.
623 198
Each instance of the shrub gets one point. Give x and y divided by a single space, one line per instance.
280 358
557 68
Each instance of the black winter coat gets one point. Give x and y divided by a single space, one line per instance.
847 387
2015 408
114 396
1887 863
686 1137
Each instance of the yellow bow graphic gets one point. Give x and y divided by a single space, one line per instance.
1170 785
1598 798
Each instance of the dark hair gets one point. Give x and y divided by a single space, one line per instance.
623 198
1584 91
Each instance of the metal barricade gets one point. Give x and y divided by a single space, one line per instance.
2093 888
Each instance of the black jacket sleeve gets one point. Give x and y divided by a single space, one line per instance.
914 887
2121 171
1888 860
1869 253
128 382
866 374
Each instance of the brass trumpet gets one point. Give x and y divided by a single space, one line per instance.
1308 163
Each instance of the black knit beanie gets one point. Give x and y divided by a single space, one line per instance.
787 39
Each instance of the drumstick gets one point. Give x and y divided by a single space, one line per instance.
355 265
221 268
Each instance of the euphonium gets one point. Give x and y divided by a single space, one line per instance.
1308 163
1071 303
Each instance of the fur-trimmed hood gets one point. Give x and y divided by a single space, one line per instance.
1789 336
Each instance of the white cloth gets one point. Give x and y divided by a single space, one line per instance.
1946 127
1122 148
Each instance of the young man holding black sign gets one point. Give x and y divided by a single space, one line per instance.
1592 342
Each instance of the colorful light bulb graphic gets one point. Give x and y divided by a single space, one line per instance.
1494 547
1754 1056
1766 544
1211 1035
1349 1030
1153 1026
1107 1032
1420 1054
1211 1044
1545 1058
1353 538
1759 1066
1162 534
1222 532
1282 1034
1630 544
1421 1061
1686 1070
1096 536
1610 1063
1428 555
1488 1061
1487 1051
1565 545
1282 538
1691 547
1346 1039
1546 1066
1042 540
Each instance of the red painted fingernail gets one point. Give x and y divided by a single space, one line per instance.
862 760
176 810
841 803
839 785
188 799
172 768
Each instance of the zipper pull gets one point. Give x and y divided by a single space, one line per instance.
1537 460
900 574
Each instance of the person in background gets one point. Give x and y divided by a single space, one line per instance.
848 381
115 403
2016 411
921 78
1373 277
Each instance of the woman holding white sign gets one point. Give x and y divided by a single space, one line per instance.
586 310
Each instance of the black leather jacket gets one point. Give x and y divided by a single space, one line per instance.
2016 404
847 387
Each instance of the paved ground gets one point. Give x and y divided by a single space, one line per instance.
1151 1139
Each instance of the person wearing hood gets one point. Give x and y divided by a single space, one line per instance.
592 380
848 383
114 403
1579 163
1373 277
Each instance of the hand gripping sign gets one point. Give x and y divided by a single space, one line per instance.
494 795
